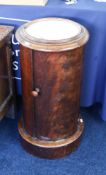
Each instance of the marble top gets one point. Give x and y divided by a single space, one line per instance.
55 29
4 31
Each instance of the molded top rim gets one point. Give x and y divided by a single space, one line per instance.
43 42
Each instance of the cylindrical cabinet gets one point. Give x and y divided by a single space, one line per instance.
51 67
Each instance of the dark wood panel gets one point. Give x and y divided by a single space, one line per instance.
4 76
58 77
6 83
27 87
52 113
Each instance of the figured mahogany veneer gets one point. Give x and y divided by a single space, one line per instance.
51 149
51 80
53 114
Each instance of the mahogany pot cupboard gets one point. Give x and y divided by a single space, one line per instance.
51 68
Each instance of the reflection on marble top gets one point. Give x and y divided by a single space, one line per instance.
4 31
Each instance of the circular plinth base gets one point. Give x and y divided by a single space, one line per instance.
51 149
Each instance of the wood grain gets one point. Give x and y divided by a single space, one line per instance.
53 114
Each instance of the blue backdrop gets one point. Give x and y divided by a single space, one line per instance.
89 13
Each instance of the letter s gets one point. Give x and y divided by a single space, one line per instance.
15 65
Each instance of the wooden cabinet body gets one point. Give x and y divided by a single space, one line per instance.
53 116
51 76
6 85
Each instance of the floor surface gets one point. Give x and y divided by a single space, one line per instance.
89 159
